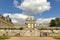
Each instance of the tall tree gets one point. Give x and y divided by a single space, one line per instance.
52 23
55 22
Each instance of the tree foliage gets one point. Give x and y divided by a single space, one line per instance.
55 22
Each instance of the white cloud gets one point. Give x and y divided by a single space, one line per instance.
42 20
21 18
16 3
33 6
14 21
17 18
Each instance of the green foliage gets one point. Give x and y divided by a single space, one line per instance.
55 22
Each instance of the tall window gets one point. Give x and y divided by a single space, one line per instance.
29 25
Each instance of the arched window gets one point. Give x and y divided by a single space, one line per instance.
21 28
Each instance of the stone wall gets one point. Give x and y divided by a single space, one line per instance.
34 33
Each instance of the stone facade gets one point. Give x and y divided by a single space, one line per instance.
29 29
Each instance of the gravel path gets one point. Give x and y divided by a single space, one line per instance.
31 38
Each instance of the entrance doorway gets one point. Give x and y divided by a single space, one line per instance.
45 34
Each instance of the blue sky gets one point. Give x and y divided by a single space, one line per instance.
7 6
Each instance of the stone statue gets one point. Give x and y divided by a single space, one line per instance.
8 18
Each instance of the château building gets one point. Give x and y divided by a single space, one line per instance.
5 22
28 29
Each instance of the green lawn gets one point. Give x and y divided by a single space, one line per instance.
57 37
4 37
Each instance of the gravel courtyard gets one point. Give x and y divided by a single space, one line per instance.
31 38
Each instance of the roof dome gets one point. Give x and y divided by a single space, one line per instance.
30 18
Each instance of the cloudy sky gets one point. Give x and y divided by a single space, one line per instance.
19 10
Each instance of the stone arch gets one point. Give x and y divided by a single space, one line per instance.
18 34
43 34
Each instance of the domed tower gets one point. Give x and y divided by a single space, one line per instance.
30 22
